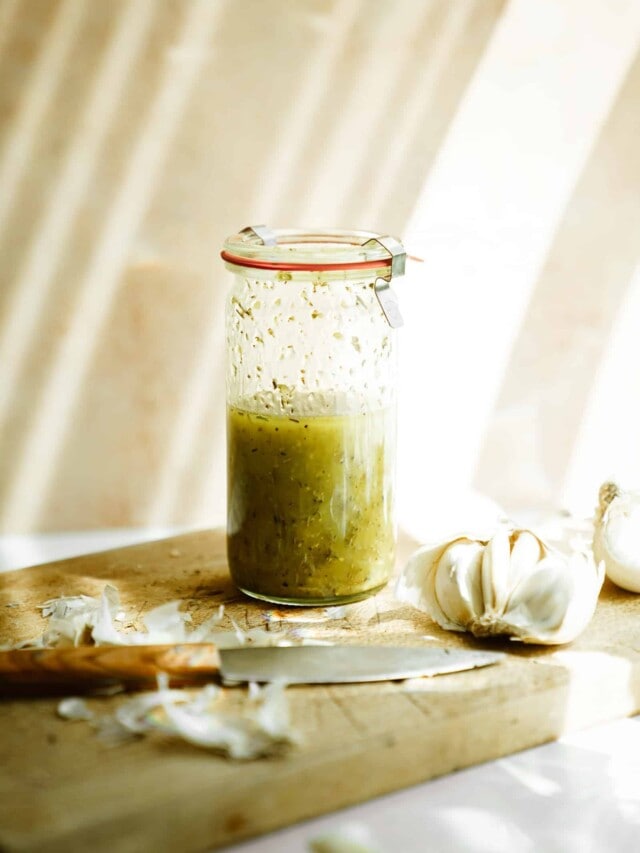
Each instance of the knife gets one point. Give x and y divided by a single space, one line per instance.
91 667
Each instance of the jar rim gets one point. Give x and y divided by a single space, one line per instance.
306 250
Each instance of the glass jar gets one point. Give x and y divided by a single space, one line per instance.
311 414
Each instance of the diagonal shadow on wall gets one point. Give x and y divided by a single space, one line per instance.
527 449
144 348
461 56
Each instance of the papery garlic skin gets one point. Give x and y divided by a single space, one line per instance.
616 539
510 583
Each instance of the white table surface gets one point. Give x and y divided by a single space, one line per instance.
580 794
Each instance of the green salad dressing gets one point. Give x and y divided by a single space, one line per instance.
310 505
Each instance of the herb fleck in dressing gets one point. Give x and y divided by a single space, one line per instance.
310 504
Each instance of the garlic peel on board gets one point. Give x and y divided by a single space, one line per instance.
510 583
616 538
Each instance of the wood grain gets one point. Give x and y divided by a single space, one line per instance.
63 789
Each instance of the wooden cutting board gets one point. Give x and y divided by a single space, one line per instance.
63 789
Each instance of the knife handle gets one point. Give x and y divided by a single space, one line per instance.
84 668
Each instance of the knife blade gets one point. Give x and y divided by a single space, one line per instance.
90 667
346 664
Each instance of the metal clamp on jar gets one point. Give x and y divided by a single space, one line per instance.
311 413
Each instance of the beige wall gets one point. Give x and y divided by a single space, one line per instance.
500 138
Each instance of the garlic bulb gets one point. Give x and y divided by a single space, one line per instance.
509 583
616 538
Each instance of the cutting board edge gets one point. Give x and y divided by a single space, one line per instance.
369 755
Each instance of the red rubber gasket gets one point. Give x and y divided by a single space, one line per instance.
276 265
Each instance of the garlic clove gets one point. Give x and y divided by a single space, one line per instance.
558 599
416 583
541 599
526 552
616 539
587 577
495 571
457 579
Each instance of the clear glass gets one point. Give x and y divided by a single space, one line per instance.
311 417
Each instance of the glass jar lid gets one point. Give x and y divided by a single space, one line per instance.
296 249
